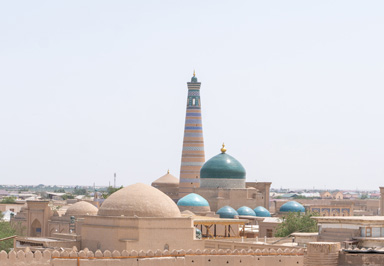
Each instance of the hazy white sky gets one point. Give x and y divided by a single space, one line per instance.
294 88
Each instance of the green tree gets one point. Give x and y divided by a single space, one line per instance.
6 230
60 190
296 222
8 200
364 196
68 196
79 191
111 190
300 197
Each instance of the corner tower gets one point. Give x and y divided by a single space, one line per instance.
193 157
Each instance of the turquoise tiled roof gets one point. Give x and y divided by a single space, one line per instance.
262 212
222 166
292 206
192 200
227 212
246 211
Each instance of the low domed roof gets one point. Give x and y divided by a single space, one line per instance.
227 212
81 208
262 212
292 206
139 200
223 166
192 200
187 213
246 211
194 79
166 180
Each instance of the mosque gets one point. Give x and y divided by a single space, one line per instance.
221 181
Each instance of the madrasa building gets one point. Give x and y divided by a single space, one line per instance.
222 179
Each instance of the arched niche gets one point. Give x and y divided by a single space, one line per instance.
36 229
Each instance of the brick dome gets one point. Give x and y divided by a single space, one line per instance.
139 200
81 208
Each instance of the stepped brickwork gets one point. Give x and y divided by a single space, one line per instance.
322 253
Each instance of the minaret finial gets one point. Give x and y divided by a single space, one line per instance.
168 171
194 73
223 149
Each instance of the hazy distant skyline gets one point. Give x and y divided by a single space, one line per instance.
93 88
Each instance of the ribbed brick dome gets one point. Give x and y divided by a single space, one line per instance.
81 208
139 200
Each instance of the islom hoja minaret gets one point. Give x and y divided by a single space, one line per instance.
193 157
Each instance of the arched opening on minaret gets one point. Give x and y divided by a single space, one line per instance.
193 102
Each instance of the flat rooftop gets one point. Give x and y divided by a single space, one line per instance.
375 220
42 239
216 220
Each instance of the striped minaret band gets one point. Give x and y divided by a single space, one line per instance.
193 157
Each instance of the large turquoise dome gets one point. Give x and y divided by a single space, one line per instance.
222 166
192 200
292 206
262 212
246 211
227 212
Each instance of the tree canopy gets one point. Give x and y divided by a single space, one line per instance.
111 190
6 230
8 200
296 222
79 191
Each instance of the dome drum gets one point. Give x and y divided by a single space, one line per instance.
195 209
222 183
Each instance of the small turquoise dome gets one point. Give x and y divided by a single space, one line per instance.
222 166
262 212
227 212
194 79
192 200
246 211
292 206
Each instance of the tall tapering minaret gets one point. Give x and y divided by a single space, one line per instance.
193 157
